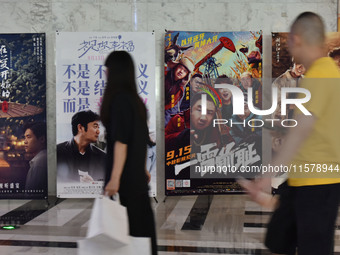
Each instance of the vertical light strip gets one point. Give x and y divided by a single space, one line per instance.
204 104
134 15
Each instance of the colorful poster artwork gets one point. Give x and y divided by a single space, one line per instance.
80 86
338 15
286 72
212 90
23 154
333 46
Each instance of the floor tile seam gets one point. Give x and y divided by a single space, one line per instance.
178 207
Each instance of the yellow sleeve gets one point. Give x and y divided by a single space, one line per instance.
320 92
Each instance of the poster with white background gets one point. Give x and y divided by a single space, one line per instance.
80 85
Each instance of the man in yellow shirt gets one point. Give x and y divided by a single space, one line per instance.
308 206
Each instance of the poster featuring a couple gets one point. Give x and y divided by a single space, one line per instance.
80 86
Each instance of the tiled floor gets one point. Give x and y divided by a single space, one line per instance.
229 224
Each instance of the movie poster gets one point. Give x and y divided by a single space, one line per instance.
23 154
333 46
80 86
338 15
286 72
213 92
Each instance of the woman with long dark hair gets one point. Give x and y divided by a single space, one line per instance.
124 116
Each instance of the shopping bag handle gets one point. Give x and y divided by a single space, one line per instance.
114 197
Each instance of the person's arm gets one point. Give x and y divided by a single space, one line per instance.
264 199
147 173
292 143
120 153
295 138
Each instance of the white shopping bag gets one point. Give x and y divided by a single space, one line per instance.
108 224
137 246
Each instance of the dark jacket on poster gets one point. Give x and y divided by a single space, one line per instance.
69 161
37 174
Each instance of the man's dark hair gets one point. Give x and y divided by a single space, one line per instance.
196 75
222 79
83 118
38 128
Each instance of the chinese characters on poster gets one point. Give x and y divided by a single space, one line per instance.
80 87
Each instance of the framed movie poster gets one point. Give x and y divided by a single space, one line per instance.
286 72
338 15
23 154
213 89
80 87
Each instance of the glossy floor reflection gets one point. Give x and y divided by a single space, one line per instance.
229 224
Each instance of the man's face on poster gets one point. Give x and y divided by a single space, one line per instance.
246 81
225 94
198 120
298 70
180 72
195 84
32 143
92 132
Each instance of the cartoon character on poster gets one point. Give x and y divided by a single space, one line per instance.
202 134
